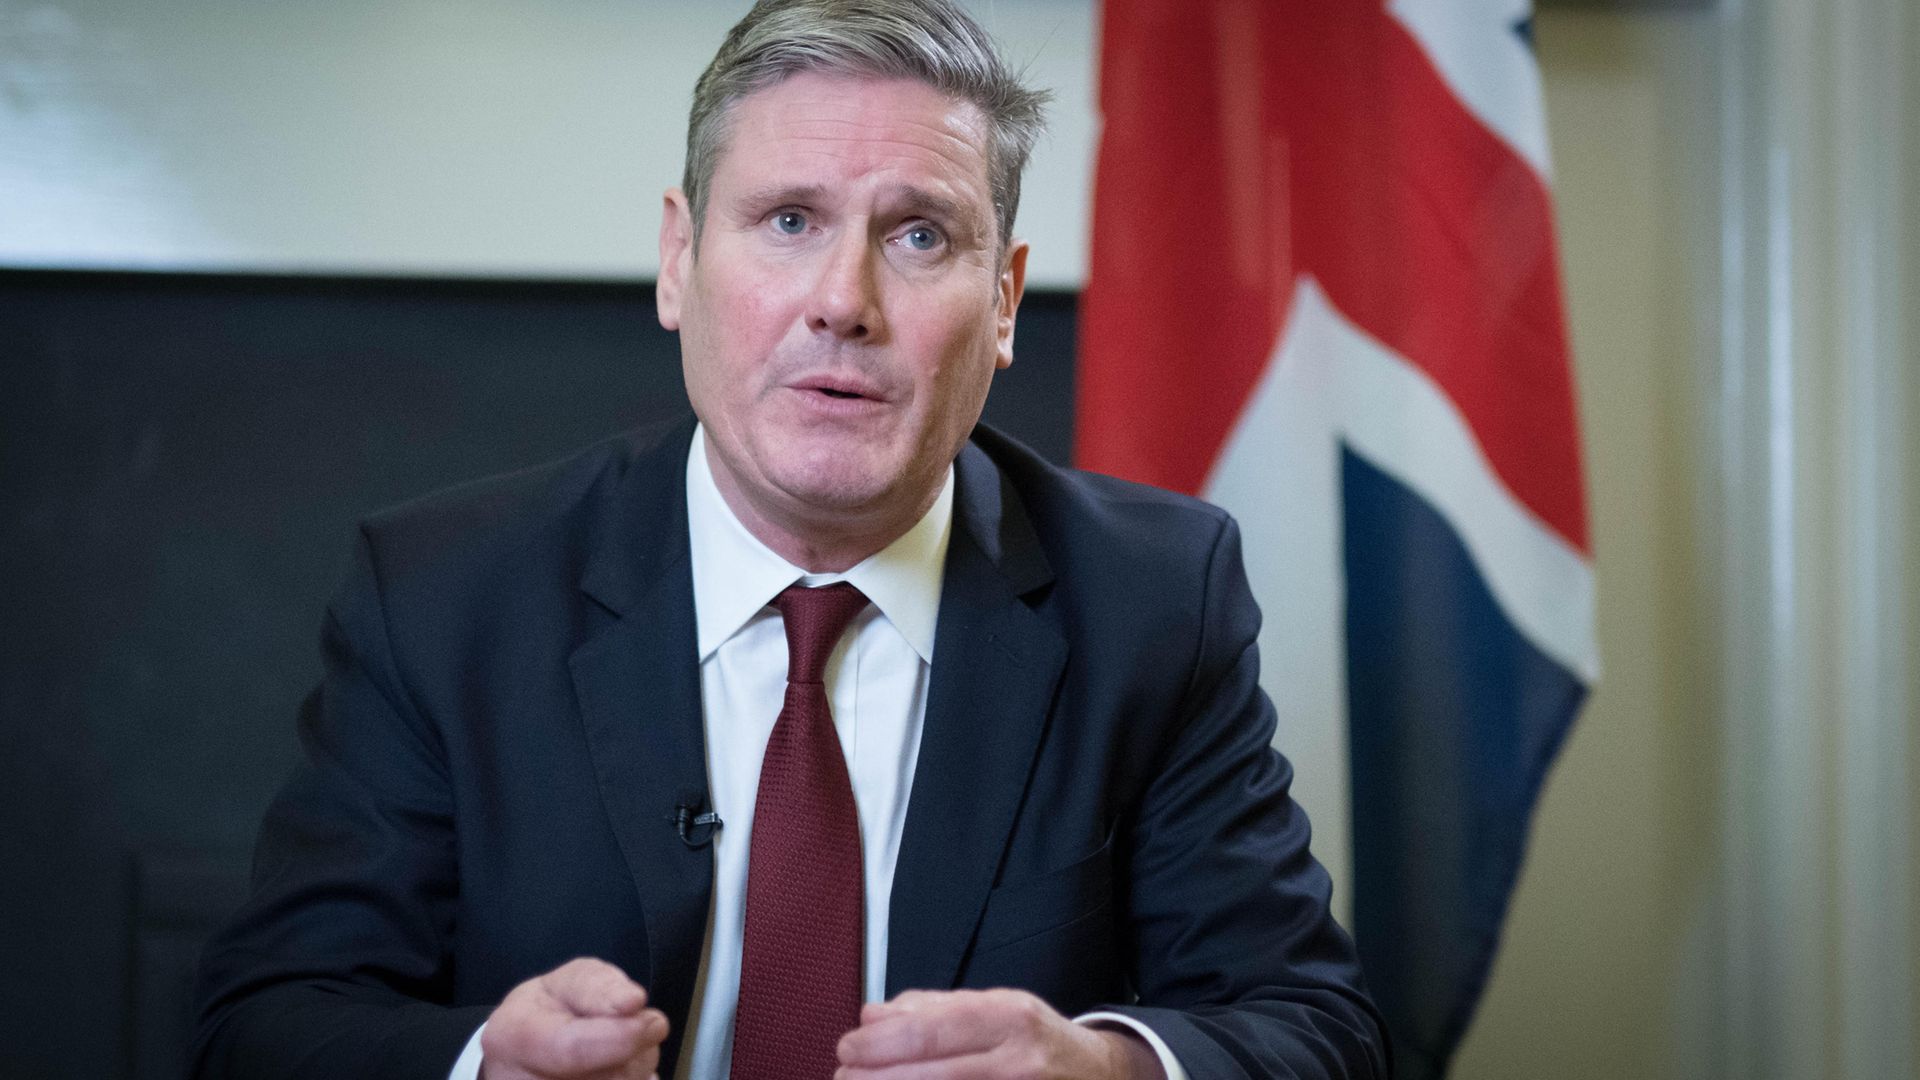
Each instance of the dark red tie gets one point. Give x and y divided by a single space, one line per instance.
800 972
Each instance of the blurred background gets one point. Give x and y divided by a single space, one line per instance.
265 267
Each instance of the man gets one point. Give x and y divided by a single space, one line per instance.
669 757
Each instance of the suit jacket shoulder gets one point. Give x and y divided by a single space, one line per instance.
460 537
1071 508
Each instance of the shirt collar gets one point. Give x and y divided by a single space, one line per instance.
735 575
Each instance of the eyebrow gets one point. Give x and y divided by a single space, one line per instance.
809 194
926 204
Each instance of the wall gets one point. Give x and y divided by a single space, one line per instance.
1600 967
488 137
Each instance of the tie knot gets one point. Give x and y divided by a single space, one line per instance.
815 620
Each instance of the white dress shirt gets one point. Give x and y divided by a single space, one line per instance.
876 681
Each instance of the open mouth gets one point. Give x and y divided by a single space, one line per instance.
839 389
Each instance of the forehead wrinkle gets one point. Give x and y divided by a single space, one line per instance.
827 108
876 163
949 129
962 158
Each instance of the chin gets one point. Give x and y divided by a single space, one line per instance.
845 495
836 481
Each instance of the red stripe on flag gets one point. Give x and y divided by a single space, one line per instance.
1182 307
1423 227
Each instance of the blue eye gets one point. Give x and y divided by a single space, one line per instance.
790 222
923 238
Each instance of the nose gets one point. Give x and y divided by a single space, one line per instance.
845 301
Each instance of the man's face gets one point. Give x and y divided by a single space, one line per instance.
847 307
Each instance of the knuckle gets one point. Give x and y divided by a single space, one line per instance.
577 970
1023 1061
572 1051
919 1040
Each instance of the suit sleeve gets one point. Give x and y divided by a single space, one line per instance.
338 962
1240 966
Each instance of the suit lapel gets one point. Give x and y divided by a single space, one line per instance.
638 680
996 666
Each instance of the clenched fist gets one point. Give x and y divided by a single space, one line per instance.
584 1020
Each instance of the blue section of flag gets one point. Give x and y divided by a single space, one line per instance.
1454 717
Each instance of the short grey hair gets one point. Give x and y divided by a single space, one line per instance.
933 41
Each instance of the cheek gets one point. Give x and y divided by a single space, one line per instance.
961 384
719 348
973 343
748 319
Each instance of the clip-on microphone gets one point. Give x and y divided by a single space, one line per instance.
695 830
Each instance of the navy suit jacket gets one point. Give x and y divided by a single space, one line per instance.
510 715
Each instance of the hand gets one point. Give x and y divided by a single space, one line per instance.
986 1034
584 1019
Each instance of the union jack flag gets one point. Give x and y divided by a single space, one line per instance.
1325 295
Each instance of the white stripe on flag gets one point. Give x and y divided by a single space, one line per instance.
1393 414
1279 475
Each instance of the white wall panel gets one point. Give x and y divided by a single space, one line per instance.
485 137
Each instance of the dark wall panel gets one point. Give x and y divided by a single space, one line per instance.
182 459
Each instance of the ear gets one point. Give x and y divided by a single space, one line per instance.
676 257
1012 286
